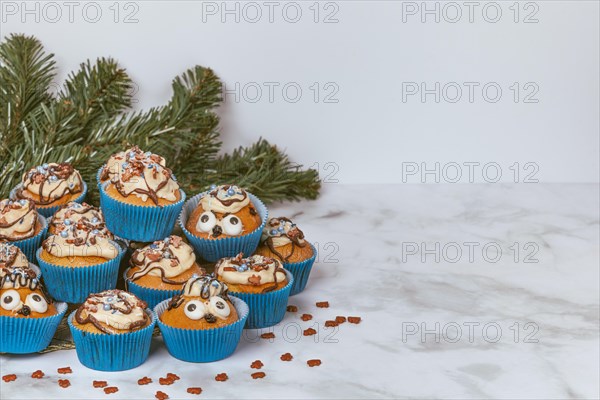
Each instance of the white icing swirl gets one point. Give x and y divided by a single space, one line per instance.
113 165
17 219
12 257
75 212
144 175
204 286
165 258
281 231
225 199
115 308
51 181
254 270
81 240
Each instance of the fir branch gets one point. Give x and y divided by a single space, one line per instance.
266 172
25 75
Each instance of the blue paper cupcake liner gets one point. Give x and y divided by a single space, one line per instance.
49 211
29 246
266 309
214 249
139 223
203 345
74 284
29 335
104 352
98 182
149 295
301 271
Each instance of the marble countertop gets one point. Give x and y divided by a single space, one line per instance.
465 291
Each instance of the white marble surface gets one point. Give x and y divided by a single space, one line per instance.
558 295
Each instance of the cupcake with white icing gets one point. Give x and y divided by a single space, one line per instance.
137 186
112 330
261 282
202 323
159 270
50 185
13 263
282 239
79 258
223 222
21 225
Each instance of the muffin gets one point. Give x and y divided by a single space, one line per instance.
80 258
202 323
28 316
21 225
75 212
139 187
159 270
112 330
51 185
283 240
12 258
223 222
261 282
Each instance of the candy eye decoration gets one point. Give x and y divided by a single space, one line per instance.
206 222
10 300
37 303
232 225
219 307
194 309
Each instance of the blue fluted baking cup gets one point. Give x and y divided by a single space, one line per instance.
74 284
214 249
23 335
119 352
301 271
149 295
266 309
49 211
139 223
203 345
29 246
98 182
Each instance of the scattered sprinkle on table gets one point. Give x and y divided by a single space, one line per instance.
258 375
286 357
144 381
194 390
257 364
354 320
268 335
9 378
309 332
323 304
100 384
331 324
64 383
221 377
161 395
313 363
340 320
65 370
38 374
111 389
292 309
306 317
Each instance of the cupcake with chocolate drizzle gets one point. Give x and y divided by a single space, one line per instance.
224 221
137 186
28 315
79 258
260 281
21 225
282 239
112 330
202 323
51 185
159 270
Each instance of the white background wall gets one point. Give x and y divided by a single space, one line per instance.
365 60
